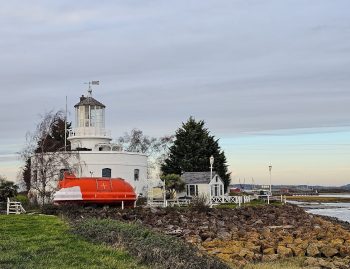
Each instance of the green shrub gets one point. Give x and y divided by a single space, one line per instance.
141 201
151 248
200 203
23 199
50 209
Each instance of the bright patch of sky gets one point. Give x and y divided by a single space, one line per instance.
313 157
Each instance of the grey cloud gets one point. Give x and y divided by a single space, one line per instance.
242 66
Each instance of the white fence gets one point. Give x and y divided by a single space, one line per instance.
14 207
215 200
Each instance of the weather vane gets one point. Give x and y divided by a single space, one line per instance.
93 82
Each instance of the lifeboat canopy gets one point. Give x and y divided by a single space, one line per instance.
94 190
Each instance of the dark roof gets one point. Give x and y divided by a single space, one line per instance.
197 177
89 101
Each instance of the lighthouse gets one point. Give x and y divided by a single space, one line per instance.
92 154
89 133
97 155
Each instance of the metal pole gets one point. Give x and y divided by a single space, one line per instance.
8 206
270 168
211 161
164 194
65 127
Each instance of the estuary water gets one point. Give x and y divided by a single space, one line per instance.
338 210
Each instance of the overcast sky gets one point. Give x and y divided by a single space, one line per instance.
270 78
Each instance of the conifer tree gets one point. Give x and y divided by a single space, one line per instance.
192 149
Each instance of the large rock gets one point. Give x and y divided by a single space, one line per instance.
288 239
338 242
223 235
329 251
206 234
269 251
253 247
269 258
312 250
297 251
344 251
311 261
284 251
246 253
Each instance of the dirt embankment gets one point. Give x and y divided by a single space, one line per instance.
248 234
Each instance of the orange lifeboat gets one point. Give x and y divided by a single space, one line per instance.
94 190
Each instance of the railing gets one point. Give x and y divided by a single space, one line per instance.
230 199
89 131
215 200
14 207
171 203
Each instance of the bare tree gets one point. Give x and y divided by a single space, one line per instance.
45 155
155 148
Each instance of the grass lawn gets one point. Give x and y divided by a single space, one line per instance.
37 241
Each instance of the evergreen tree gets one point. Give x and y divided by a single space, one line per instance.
192 149
8 189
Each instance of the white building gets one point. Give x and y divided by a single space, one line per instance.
203 183
93 154
98 157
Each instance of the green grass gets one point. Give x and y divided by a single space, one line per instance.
38 241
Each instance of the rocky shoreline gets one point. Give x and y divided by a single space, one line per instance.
248 234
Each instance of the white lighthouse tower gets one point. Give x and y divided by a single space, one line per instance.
99 157
89 132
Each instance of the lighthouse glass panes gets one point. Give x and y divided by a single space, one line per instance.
90 116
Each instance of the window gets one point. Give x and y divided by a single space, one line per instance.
216 190
136 174
106 172
192 190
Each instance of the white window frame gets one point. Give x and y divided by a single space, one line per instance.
188 189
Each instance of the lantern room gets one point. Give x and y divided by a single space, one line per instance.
89 113
89 132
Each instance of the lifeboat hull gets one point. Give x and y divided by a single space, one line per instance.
94 191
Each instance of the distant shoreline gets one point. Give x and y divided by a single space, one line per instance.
319 199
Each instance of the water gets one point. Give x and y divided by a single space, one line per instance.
340 195
337 210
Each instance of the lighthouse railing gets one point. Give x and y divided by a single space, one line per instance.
89 131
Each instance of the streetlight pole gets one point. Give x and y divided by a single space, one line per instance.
211 161
270 169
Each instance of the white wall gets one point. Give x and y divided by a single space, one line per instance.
87 142
122 165
203 189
